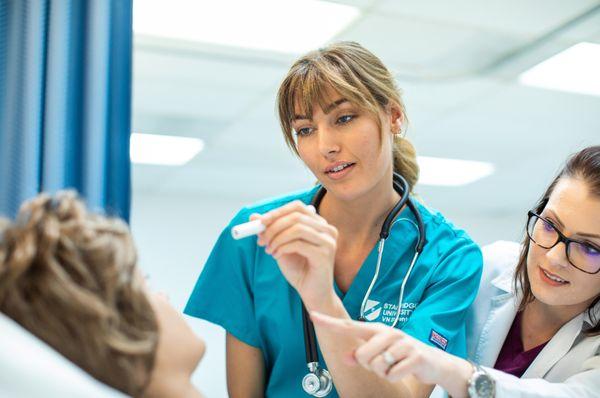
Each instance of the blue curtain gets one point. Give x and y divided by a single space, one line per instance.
65 101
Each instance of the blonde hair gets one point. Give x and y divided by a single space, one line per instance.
70 278
358 76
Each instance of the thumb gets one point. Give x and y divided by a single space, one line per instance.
348 327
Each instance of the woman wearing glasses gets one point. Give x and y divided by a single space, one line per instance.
534 328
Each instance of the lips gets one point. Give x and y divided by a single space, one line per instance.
337 167
339 170
552 279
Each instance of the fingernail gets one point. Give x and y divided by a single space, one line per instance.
312 208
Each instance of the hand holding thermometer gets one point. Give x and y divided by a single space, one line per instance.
253 227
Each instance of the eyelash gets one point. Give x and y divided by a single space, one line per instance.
339 121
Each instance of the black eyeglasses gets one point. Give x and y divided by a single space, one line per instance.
582 255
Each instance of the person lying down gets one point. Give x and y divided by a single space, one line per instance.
70 277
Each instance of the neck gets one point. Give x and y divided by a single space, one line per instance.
540 322
361 218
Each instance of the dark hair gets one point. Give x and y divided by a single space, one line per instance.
583 165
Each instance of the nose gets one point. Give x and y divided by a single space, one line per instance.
328 141
557 256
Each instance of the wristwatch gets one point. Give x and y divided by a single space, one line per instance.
481 384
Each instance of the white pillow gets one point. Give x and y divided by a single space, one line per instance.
31 368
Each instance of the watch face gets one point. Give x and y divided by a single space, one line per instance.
484 386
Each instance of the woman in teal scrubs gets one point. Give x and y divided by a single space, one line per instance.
341 113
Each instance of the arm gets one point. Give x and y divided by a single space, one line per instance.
430 365
245 369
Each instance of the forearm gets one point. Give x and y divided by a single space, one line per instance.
350 381
454 375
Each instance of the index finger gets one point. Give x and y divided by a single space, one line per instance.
291 207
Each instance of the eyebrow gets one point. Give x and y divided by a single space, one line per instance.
560 223
327 109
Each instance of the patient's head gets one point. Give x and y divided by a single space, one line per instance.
70 277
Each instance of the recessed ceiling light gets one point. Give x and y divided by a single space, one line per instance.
577 70
451 172
163 149
288 26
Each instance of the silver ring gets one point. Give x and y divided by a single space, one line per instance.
388 358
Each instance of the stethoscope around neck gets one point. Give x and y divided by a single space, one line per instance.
318 382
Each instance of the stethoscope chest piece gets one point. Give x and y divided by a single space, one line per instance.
317 383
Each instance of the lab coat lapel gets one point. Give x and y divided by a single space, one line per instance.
502 313
556 348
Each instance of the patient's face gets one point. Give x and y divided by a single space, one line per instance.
179 349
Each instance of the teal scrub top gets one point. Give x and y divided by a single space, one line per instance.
242 289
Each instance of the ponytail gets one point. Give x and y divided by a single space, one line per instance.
405 160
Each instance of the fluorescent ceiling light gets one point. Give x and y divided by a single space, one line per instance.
289 26
577 70
451 172
163 149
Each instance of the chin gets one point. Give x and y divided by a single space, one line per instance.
198 349
347 191
548 297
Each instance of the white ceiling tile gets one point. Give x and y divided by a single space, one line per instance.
528 18
426 49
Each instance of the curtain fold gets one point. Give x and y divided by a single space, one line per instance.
65 101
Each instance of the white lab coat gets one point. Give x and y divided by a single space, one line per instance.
569 364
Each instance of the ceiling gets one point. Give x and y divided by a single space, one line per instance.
456 62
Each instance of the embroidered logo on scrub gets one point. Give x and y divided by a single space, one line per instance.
438 340
386 312
372 310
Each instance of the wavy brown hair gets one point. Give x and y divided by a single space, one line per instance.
70 277
358 76
583 165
